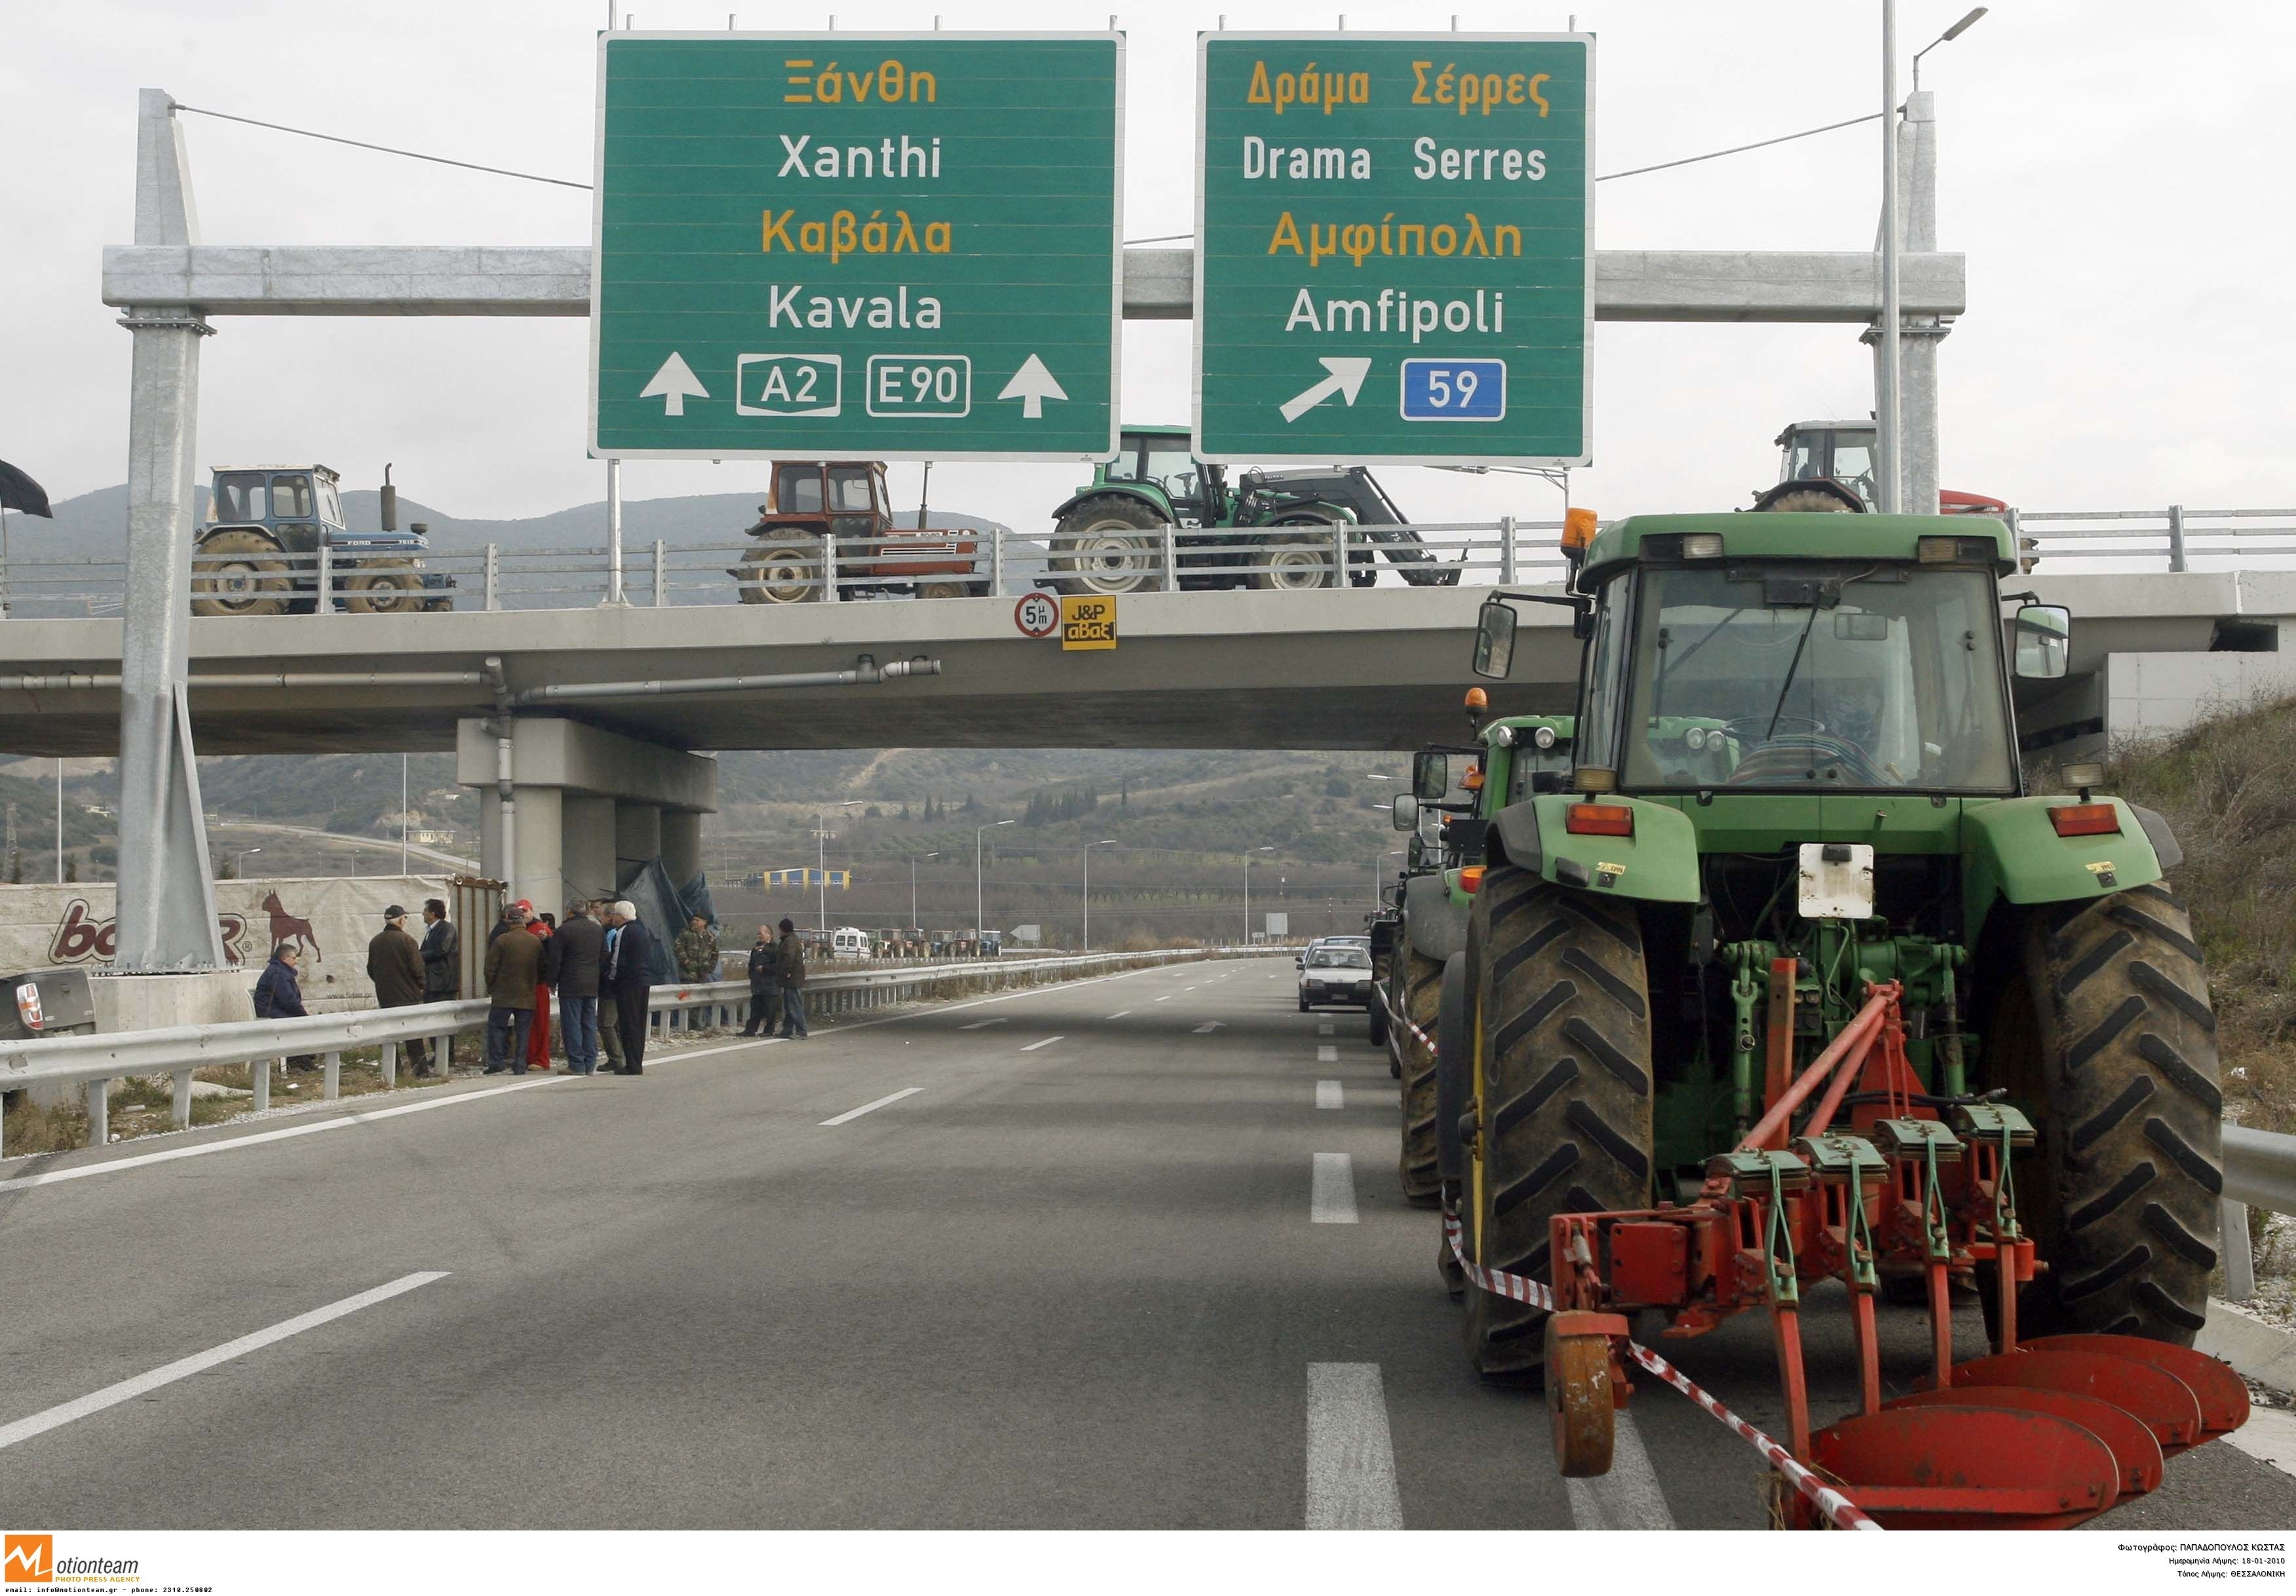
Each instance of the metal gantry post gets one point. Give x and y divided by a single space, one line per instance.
1889 475
614 533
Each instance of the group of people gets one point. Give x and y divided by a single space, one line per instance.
778 983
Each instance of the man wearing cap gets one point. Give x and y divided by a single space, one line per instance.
394 963
513 970
514 916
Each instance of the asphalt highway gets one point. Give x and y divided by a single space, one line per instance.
1124 1252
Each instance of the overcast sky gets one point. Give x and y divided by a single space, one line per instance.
2118 174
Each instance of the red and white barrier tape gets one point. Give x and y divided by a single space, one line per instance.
1843 1513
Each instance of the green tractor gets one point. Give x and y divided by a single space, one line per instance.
1265 529
1796 792
1509 760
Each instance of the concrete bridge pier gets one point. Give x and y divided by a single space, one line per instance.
591 806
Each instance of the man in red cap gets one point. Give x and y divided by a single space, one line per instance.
514 916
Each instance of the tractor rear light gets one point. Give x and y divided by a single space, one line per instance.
1946 551
1578 530
1599 820
1471 879
2086 820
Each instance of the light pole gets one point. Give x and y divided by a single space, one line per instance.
1947 38
1889 484
912 886
980 918
239 865
402 815
1104 842
1378 866
820 835
1264 848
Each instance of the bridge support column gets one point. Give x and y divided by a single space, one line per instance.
681 844
637 835
586 857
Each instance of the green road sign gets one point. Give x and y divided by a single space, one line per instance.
857 245
1395 248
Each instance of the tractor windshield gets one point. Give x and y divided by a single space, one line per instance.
1807 677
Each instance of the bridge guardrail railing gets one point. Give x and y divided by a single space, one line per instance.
2176 534
2259 1171
94 1061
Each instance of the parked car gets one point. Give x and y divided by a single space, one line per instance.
1337 971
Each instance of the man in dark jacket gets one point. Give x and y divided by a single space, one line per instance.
394 963
442 967
790 958
279 996
765 984
513 970
630 974
577 949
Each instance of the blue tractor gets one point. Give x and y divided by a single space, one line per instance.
258 553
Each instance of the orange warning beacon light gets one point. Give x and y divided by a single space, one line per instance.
1577 531
1478 703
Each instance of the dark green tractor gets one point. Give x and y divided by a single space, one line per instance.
1796 779
1268 530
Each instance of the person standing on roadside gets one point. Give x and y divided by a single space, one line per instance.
514 969
695 952
629 971
514 916
442 969
544 930
394 963
765 984
610 1013
279 996
790 961
578 948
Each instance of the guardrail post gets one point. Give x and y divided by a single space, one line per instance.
494 577
2239 1263
660 573
99 1113
1507 550
259 1082
829 569
182 1104
390 1066
995 563
1171 560
331 1087
2176 538
324 603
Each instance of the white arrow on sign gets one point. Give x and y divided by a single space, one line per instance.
674 384
1032 385
1346 380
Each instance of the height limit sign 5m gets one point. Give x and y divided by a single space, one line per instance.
858 245
1394 248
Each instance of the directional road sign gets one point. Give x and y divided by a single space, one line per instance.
1394 248
858 245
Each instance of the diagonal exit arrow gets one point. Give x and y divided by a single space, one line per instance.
1347 372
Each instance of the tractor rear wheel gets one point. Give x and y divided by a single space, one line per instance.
239 572
382 587
944 590
1562 1072
2106 1037
1375 1015
1422 989
1305 555
781 573
1113 545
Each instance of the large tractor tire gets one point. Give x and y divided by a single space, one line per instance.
1562 1075
382 587
1454 1049
1422 990
944 590
787 572
2106 1037
1375 1014
239 572
1304 554
1113 545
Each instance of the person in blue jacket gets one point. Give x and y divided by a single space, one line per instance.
278 995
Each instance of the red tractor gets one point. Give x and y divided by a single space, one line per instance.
814 501
1843 452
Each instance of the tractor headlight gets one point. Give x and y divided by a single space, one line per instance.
1504 737
1696 738
1543 738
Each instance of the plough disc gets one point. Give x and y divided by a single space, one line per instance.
2124 1435
1952 1466
2222 1398
2164 1403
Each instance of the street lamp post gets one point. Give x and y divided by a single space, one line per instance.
1889 485
821 870
912 886
1104 842
1264 848
980 917
1947 38
239 866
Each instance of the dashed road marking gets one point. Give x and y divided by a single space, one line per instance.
1033 1046
1327 1055
1629 1497
1350 1455
1207 1027
1325 1030
1165 999
95 1401
1327 1095
868 1108
1119 1014
979 1025
1332 1200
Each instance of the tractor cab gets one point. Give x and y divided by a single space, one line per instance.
1845 452
297 505
1158 459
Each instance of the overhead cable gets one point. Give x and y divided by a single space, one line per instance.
469 166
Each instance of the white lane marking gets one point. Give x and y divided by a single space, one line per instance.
1325 1030
1350 1456
1628 1496
2269 1436
981 1025
1165 999
95 1401
1328 1096
1327 1055
880 1102
1119 1014
1332 1199
1047 1042
1207 1027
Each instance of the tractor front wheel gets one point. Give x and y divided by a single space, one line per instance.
781 573
1561 1076
1422 989
2105 1035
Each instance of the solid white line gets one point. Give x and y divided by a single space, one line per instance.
1119 1014
1332 1201
1628 1496
95 1401
1350 1456
1327 1055
880 1102
979 1025
1328 1096
1207 1027
1325 1030
1033 1046
2269 1436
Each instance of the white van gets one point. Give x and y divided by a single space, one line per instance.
849 942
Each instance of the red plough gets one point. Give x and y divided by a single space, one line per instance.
2039 1434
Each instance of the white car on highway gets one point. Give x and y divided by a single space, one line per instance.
1335 972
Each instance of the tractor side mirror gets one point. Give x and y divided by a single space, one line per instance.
2044 635
1494 639
1430 778
1406 812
